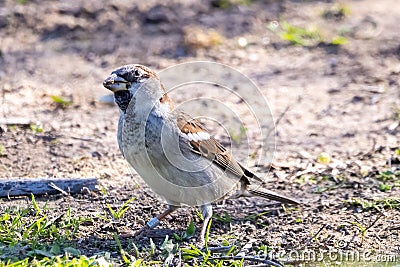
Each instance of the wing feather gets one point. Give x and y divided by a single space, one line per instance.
204 144
207 146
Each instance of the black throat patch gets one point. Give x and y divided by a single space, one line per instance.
122 98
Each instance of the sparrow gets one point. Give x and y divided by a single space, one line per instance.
174 153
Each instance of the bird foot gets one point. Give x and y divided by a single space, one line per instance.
142 231
149 225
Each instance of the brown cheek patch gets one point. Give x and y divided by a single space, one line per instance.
147 72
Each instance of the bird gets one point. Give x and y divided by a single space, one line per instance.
175 154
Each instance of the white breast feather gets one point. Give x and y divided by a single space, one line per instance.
165 107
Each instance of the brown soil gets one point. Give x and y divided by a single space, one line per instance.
344 100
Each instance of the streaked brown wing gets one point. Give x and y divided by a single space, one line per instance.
204 144
207 146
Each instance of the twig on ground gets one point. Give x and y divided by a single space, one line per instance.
248 258
16 121
281 116
220 249
41 186
279 119
374 222
316 234
51 184
351 240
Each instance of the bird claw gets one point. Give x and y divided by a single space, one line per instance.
141 231
149 225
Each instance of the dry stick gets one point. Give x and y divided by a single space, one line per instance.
279 119
220 249
80 138
16 121
352 239
51 184
247 258
40 186
86 139
314 236
355 234
377 237
372 150
373 223
281 116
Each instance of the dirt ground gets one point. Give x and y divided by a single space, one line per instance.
339 99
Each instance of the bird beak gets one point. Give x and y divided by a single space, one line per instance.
115 83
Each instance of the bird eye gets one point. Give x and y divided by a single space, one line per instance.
138 73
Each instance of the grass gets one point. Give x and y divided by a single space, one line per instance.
225 219
312 179
385 181
229 3
120 211
308 36
61 101
189 233
125 256
21 2
388 176
35 235
254 217
336 11
36 128
195 256
388 180
377 204
237 137
305 36
176 252
32 234
361 228
60 261
324 158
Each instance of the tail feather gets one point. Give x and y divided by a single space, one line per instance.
273 196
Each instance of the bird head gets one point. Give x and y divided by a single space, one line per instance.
128 77
128 80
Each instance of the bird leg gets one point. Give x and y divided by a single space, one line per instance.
156 220
206 210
